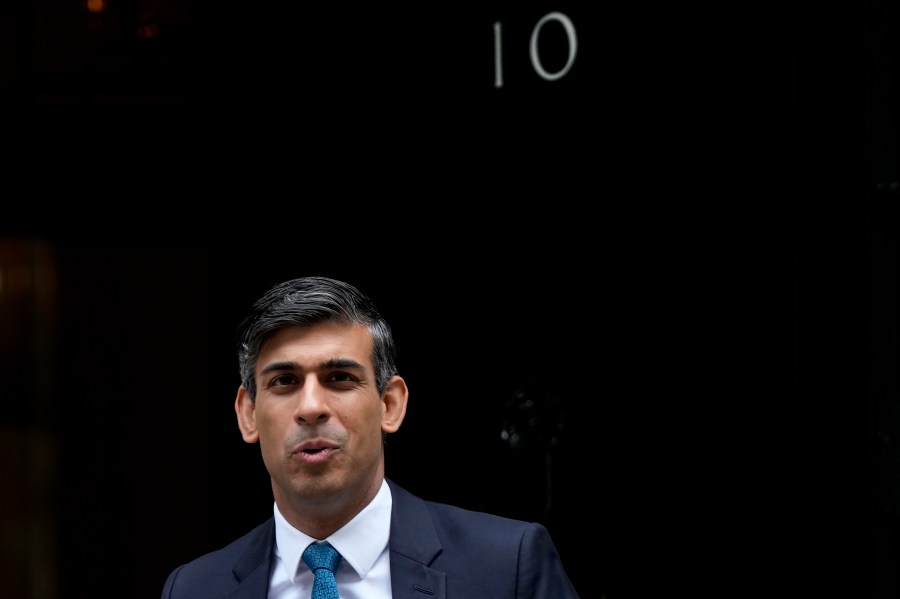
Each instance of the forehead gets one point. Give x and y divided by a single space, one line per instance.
313 344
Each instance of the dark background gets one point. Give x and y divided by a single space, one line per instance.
181 83
843 173
148 55
726 224
184 104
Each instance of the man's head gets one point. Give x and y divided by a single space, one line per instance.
319 390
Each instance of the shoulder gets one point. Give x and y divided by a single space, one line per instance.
477 553
471 528
231 553
218 571
482 526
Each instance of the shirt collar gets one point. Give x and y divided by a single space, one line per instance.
359 542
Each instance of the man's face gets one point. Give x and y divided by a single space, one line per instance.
318 416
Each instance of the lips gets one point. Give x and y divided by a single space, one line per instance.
315 451
314 446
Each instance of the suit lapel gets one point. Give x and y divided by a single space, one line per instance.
414 545
412 580
251 570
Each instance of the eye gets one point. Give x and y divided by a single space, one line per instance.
341 377
283 379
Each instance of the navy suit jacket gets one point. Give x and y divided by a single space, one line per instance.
437 551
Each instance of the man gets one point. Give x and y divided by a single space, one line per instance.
319 390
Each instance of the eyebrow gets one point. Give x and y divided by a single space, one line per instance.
330 363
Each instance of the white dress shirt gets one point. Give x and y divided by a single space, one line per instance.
364 571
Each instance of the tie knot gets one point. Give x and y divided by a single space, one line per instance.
321 555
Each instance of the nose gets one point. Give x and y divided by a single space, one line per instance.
312 403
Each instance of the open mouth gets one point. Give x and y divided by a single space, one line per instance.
314 455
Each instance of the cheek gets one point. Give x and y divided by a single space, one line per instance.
366 426
269 429
270 444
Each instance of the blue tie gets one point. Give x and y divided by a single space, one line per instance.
323 560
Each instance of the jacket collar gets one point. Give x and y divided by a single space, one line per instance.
414 545
251 570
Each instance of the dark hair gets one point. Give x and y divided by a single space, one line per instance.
306 301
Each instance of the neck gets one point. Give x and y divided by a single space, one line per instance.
322 517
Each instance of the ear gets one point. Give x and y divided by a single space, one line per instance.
246 415
394 405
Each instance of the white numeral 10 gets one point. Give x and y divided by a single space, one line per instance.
533 48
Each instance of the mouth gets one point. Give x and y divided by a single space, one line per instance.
314 452
314 456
